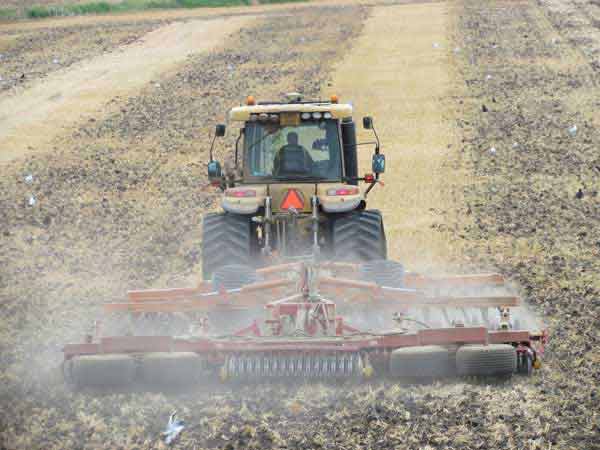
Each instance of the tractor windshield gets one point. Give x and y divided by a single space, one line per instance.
309 150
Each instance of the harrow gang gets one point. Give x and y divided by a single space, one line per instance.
302 334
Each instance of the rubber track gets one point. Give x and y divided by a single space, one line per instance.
233 276
383 272
226 240
359 235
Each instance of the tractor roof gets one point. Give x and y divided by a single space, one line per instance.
337 110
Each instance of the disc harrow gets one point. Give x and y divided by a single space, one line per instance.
294 365
312 320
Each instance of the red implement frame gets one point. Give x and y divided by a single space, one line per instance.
288 290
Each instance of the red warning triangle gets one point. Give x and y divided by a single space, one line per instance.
293 199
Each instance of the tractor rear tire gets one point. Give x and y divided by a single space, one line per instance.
486 360
233 276
383 272
226 239
359 236
428 361
101 371
171 369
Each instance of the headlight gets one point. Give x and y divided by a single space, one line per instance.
327 115
305 116
317 115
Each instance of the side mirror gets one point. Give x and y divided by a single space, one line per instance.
367 122
214 170
378 163
220 130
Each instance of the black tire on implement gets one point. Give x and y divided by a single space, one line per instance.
171 369
226 239
486 360
100 371
233 276
383 272
525 364
359 236
428 361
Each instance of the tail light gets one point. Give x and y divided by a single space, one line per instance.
240 193
369 178
343 191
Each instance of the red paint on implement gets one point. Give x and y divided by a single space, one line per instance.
322 330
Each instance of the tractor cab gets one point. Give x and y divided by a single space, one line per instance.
294 141
292 147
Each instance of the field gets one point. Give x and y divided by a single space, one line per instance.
11 10
105 126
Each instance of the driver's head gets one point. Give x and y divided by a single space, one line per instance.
292 138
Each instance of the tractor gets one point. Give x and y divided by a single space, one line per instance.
296 281
293 189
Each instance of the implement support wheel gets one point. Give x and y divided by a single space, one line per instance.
429 361
171 368
100 371
486 360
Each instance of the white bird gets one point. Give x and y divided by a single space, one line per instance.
174 427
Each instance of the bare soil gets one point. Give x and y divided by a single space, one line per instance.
534 201
33 117
28 55
404 57
119 204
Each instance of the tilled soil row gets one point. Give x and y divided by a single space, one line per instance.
579 25
26 56
534 202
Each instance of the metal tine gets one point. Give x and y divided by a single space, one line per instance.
466 316
309 364
302 365
275 365
485 314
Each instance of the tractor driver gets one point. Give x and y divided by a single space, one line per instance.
292 158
